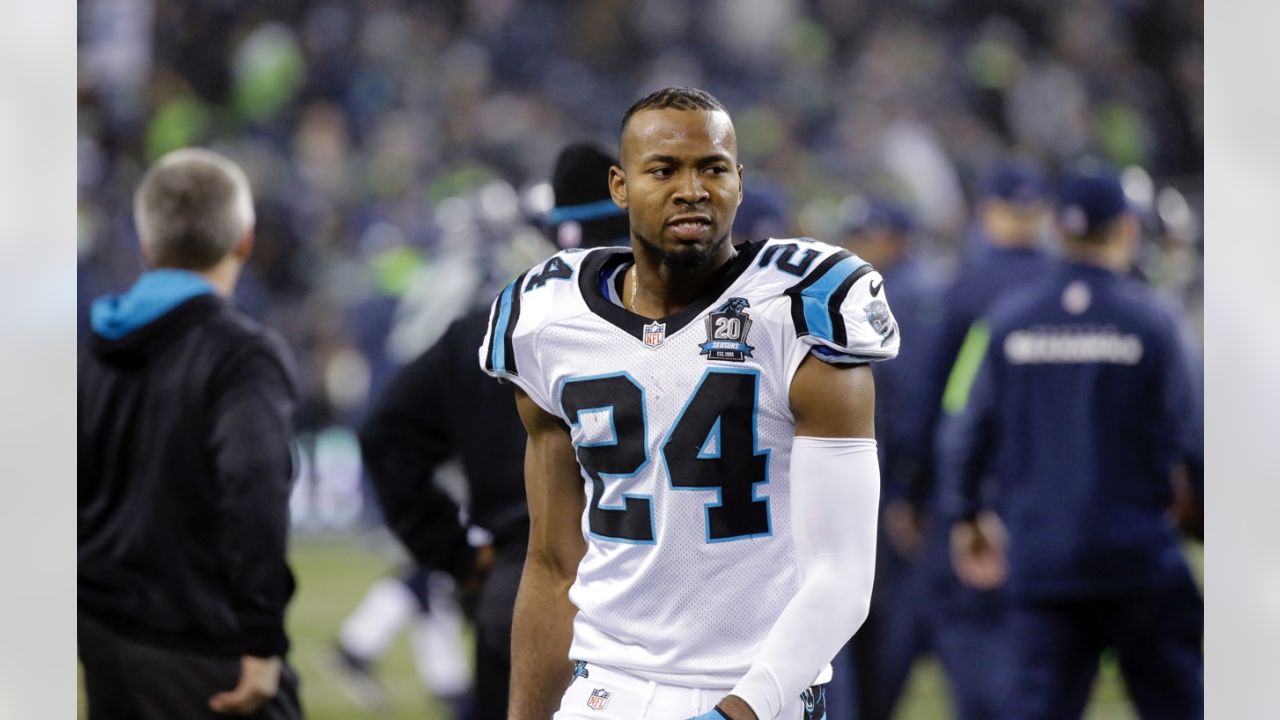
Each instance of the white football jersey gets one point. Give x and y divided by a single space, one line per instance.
683 431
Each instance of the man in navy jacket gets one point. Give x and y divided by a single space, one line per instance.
1081 407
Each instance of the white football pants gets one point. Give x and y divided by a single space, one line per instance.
611 694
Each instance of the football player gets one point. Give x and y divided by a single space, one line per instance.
701 466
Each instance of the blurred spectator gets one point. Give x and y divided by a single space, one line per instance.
349 116
442 406
423 604
963 626
1081 402
762 214
185 423
585 215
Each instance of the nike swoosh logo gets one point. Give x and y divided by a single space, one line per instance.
875 289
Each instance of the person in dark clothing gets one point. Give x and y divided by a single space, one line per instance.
441 406
584 215
436 408
1003 251
184 469
1082 402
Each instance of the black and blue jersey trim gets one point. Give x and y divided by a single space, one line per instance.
816 300
842 359
500 354
608 261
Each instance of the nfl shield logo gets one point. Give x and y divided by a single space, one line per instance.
599 698
654 334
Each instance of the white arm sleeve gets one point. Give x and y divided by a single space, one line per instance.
835 496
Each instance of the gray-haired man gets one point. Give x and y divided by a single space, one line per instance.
184 469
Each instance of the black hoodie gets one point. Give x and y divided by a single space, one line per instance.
185 422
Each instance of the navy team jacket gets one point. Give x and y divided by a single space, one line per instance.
915 287
1082 399
986 274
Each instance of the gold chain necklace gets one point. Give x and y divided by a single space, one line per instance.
635 288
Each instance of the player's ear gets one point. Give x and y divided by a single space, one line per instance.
244 247
148 257
1130 236
618 186
741 185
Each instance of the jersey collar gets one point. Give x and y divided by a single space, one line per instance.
605 260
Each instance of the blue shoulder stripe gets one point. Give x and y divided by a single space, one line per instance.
840 333
493 330
502 356
816 300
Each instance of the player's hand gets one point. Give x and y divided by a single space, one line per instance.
485 555
259 681
1186 512
904 525
977 551
483 562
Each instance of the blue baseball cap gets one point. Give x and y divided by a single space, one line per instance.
1088 200
762 214
880 214
1016 182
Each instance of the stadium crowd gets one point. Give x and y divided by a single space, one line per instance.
357 122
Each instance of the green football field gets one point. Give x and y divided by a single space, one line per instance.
333 574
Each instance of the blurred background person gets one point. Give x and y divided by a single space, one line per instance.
1006 246
185 411
1083 400
962 626
429 603
423 604
764 213
442 406
584 215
